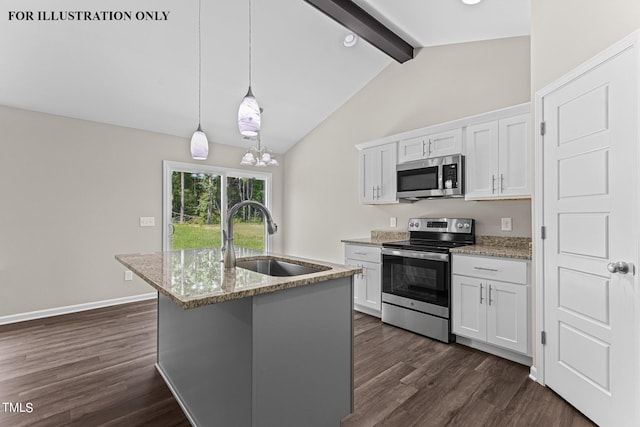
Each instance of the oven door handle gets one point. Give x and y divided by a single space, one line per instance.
415 254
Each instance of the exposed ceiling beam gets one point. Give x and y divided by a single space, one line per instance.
356 19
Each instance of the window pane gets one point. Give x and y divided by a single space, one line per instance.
195 210
248 224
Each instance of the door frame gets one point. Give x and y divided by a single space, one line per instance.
169 166
630 42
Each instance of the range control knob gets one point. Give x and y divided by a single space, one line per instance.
467 225
459 225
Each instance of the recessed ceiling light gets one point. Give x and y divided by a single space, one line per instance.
471 1
350 40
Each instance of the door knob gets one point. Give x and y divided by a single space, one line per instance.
618 267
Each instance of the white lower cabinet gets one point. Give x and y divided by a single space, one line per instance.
490 301
367 286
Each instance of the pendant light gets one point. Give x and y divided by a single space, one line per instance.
249 110
259 156
199 142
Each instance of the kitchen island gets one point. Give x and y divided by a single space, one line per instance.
239 347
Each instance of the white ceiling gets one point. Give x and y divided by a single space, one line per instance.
144 74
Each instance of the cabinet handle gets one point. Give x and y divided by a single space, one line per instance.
490 300
493 183
481 289
373 192
359 253
502 183
429 147
377 191
485 269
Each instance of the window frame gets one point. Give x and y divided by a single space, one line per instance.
169 166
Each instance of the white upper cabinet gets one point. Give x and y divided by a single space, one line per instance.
481 161
433 145
378 174
515 162
497 159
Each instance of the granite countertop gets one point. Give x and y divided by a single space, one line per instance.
196 277
496 246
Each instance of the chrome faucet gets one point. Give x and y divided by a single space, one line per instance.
228 249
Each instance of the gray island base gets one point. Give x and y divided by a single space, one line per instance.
258 359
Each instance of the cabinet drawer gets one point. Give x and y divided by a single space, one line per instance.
505 270
363 253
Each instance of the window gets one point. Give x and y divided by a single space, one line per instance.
197 199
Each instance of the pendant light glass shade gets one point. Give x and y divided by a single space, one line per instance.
248 159
249 116
199 145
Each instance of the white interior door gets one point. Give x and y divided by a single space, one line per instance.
589 204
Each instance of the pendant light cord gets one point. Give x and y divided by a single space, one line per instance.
249 44
199 62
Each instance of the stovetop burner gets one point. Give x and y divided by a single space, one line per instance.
436 234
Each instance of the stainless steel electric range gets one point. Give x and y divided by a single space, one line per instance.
416 275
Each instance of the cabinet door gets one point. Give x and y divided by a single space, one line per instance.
368 163
514 163
411 149
373 280
482 161
386 192
469 307
444 143
359 283
507 316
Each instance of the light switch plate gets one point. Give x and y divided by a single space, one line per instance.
128 275
147 221
506 224
393 221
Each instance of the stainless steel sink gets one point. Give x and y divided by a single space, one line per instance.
276 267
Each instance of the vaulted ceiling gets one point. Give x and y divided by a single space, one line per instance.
144 74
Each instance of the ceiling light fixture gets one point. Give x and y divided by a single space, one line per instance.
350 40
249 112
199 142
471 1
259 156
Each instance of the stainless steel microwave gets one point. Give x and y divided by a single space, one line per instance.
435 177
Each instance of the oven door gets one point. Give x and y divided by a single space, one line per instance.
416 276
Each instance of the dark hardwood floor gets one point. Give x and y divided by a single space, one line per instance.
405 380
96 368
92 368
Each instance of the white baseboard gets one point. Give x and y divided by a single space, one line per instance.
40 314
533 374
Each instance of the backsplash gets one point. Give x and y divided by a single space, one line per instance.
381 236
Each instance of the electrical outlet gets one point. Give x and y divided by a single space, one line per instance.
128 275
393 221
506 224
147 221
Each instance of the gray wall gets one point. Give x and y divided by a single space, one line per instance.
72 193
441 84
